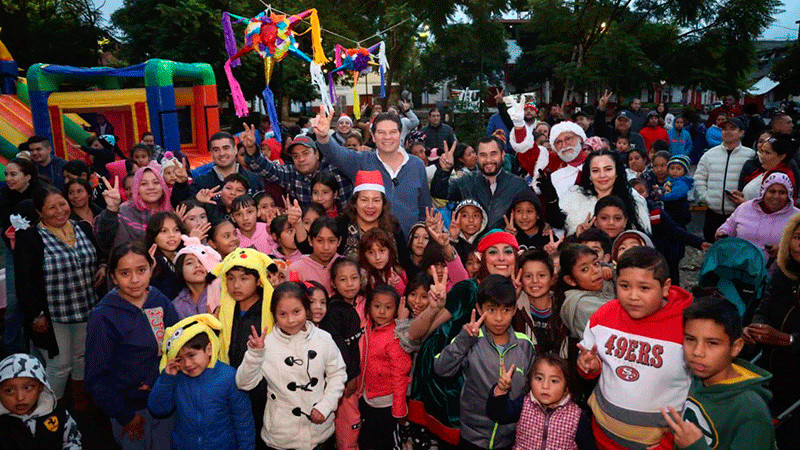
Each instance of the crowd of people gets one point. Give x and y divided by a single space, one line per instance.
379 284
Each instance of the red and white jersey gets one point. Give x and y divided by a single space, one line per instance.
643 369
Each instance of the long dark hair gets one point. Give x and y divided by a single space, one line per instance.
27 167
621 188
377 236
386 220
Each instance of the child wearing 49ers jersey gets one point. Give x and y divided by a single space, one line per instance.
635 345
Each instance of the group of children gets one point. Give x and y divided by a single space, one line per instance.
656 352
236 323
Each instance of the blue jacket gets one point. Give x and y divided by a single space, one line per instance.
122 351
679 143
713 136
677 188
408 194
212 411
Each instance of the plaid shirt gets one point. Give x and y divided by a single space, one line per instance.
68 277
295 183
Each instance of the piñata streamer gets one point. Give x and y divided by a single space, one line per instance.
230 40
269 102
239 103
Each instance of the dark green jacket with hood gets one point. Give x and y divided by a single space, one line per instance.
732 414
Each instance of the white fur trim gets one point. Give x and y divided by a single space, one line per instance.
563 127
369 187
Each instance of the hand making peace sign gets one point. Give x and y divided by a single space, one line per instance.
254 340
473 328
446 161
249 139
112 195
552 247
504 383
438 290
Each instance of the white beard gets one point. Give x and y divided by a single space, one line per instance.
567 154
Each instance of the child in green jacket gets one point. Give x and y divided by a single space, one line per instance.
727 403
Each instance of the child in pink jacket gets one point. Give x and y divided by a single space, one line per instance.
385 368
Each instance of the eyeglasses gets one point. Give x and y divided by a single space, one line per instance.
570 139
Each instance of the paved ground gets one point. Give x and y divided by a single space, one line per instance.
690 265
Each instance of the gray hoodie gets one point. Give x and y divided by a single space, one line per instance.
22 365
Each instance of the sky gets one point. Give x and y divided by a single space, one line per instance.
784 27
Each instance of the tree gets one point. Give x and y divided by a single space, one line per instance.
469 54
714 47
787 70
51 31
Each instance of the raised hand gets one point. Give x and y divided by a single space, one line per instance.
516 110
498 97
552 247
322 125
510 227
455 228
686 433
293 211
180 211
585 225
255 340
517 282
545 184
438 291
181 172
201 231
249 139
402 310
473 328
172 367
603 101
504 383
112 195
588 361
207 195
447 160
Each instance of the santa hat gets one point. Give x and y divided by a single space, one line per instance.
369 180
565 127
168 161
207 256
345 118
176 336
495 237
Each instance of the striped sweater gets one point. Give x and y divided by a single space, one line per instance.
643 371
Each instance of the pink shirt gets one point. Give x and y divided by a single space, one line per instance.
309 270
261 240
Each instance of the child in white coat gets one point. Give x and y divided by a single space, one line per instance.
304 370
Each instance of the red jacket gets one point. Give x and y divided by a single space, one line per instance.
385 367
652 134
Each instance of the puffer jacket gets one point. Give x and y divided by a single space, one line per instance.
304 371
386 368
576 205
482 362
718 170
212 411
